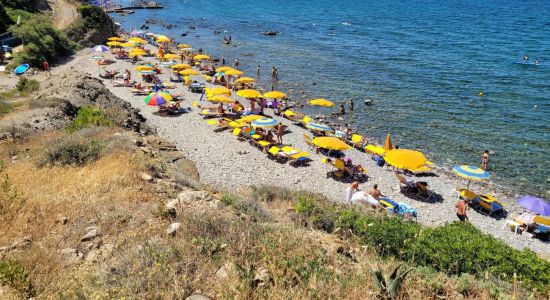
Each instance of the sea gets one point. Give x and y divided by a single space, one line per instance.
446 77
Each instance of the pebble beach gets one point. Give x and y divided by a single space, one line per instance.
227 163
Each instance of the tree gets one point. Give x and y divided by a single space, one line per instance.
41 40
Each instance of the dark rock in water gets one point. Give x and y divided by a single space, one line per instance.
217 32
143 26
192 27
169 26
271 32
184 33
197 35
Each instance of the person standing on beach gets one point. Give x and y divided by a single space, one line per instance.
461 208
352 189
350 105
182 57
46 67
223 61
280 132
485 159
237 62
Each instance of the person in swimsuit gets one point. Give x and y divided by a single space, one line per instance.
461 208
485 159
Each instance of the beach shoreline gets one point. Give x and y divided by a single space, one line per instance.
226 163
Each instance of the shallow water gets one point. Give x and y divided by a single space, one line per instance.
423 63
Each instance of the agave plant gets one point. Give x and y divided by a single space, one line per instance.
388 288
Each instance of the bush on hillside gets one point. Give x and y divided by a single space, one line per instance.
73 154
41 41
454 248
89 116
26 85
26 5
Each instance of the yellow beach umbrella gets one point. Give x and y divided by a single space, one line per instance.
275 95
221 99
127 44
245 80
181 66
249 94
201 57
132 54
330 143
115 38
234 72
144 68
373 149
405 159
171 56
189 72
250 118
183 46
163 39
224 69
220 91
387 144
137 40
321 102
114 44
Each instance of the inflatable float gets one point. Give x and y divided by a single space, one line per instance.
21 69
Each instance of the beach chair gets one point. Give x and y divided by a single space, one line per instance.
466 195
238 133
309 141
404 185
423 191
525 220
304 121
356 141
488 203
275 153
295 155
540 220
294 117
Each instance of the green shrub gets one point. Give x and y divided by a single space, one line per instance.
41 40
253 209
4 108
26 85
229 199
5 20
15 275
73 153
89 116
305 205
456 248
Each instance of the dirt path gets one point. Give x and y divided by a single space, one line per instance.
64 13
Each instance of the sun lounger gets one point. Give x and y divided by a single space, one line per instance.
275 153
406 186
423 191
357 141
295 155
400 208
210 113
142 92
541 220
293 116
525 220
488 203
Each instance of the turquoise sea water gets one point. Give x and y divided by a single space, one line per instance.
423 63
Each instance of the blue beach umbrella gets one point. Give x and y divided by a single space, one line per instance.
100 48
264 122
471 173
318 127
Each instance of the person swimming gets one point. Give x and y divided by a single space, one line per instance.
526 58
